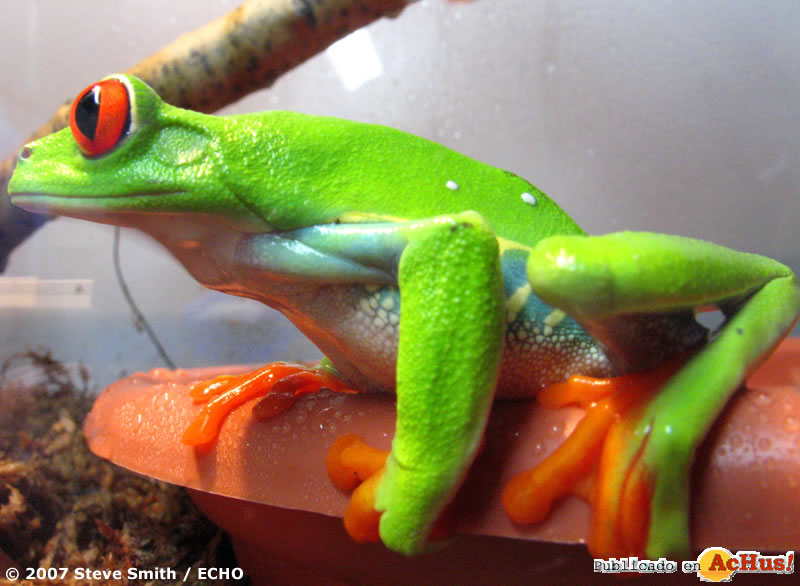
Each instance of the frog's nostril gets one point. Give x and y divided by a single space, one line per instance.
25 153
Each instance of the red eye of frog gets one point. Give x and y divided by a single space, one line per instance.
100 116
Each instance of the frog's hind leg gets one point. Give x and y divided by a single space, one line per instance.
641 495
279 383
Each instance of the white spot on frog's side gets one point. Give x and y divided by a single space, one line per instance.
529 198
452 185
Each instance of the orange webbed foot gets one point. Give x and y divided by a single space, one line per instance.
596 462
279 383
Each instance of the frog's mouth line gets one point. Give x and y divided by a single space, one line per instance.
124 210
104 209
61 204
85 196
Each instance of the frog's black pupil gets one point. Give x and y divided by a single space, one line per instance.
87 112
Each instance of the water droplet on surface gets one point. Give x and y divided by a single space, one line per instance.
763 400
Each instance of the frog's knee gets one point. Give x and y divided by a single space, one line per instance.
562 274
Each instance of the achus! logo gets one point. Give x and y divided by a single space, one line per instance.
717 564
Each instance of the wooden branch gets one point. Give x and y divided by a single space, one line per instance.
245 50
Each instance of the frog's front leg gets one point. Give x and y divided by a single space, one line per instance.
450 346
448 358
641 498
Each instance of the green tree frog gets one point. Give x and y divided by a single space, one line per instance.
338 224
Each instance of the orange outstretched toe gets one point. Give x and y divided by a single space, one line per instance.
280 382
591 462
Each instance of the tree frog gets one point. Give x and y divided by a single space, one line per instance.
339 224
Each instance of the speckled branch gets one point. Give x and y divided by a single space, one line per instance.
245 50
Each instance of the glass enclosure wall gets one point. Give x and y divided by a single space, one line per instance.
653 116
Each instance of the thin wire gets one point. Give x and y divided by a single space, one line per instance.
138 315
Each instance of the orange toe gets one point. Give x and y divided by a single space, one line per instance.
529 496
578 390
201 392
350 462
621 496
361 520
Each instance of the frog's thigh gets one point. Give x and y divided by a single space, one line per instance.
592 277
